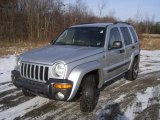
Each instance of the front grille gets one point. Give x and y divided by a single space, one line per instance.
34 71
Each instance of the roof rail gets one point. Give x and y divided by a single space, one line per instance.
85 23
121 22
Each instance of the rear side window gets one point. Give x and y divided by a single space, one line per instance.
126 35
133 34
114 36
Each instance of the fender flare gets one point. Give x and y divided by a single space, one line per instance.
79 72
132 59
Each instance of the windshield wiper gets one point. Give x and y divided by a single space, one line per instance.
81 44
59 43
75 44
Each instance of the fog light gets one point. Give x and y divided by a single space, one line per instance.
62 86
60 96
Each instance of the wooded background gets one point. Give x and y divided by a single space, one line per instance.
43 20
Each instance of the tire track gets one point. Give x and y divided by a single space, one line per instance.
50 106
52 114
12 101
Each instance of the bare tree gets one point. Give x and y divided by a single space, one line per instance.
138 19
101 6
37 20
148 22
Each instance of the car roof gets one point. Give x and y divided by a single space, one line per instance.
100 24
92 25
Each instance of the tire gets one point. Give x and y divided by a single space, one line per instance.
27 93
133 71
88 98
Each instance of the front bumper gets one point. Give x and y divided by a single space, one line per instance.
41 88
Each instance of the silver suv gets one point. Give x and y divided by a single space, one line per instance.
79 62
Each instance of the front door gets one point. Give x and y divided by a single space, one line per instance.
114 57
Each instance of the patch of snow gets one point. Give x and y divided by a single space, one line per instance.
122 117
7 64
140 103
149 61
13 94
5 86
118 100
143 97
17 98
23 108
1 105
8 88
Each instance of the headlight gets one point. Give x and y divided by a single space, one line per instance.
18 63
59 69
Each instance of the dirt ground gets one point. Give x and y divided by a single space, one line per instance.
59 110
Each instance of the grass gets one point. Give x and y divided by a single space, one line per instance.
7 48
147 41
150 41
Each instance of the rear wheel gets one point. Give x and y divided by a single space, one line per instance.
27 93
133 71
88 98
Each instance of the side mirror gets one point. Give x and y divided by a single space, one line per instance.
116 45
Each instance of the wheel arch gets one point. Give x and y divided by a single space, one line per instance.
80 72
133 57
96 74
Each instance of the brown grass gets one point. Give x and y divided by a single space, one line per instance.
147 41
8 48
150 42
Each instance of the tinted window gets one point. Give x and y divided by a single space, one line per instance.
114 36
133 34
82 36
126 35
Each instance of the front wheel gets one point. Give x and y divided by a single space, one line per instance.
88 98
132 73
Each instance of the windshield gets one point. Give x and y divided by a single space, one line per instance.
82 36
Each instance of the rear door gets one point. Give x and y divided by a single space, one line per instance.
114 57
129 47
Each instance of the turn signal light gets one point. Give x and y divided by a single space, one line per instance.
62 86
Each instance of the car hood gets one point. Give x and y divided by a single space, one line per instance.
52 53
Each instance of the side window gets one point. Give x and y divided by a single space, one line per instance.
114 36
133 34
126 35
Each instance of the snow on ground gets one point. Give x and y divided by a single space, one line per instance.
142 101
7 64
13 94
23 108
6 88
149 62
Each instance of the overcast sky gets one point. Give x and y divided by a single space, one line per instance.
124 9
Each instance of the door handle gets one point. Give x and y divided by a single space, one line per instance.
122 51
